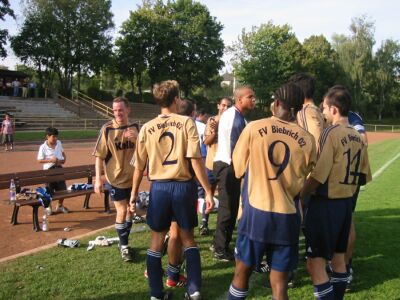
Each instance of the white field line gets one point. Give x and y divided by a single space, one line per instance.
385 166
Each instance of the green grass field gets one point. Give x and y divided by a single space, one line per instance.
61 273
63 134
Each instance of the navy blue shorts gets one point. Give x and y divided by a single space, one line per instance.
281 258
118 194
327 226
172 201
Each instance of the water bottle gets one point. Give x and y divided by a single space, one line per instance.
13 192
45 224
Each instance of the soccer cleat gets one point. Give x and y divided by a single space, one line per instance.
167 295
194 296
223 256
212 248
349 281
204 230
126 253
182 281
62 209
136 219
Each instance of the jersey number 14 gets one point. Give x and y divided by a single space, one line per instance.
355 161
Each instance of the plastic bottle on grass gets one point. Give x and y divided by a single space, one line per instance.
13 192
141 228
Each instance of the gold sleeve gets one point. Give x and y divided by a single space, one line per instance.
193 146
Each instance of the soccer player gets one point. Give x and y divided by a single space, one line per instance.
309 117
113 151
211 141
274 155
169 146
231 125
342 165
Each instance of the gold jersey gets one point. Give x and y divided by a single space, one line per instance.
276 157
342 162
166 144
117 152
211 149
311 119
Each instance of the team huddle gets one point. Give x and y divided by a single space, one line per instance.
300 169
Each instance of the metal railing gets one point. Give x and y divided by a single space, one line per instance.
383 128
93 104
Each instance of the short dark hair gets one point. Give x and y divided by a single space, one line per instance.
340 97
165 92
225 98
122 99
306 82
186 107
201 112
8 114
51 131
291 95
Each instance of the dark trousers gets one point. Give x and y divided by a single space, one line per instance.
228 195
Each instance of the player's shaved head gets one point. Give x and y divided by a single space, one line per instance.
240 91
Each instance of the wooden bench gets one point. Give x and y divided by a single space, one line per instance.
43 177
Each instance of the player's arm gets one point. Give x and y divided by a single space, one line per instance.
211 132
139 161
309 187
98 186
322 168
136 180
200 172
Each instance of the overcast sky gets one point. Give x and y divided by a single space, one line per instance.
306 17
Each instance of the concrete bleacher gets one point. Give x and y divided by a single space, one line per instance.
35 107
39 113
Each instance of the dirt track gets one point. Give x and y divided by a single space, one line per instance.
21 238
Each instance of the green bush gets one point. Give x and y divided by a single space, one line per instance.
147 98
98 94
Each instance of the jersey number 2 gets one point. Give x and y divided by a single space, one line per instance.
280 165
166 162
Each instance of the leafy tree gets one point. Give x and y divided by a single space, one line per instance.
321 61
145 44
5 10
265 58
65 37
198 49
178 40
387 63
356 57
